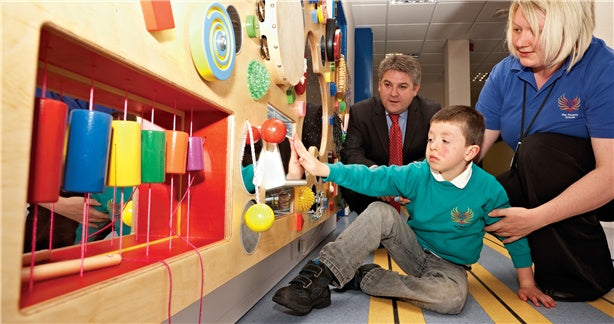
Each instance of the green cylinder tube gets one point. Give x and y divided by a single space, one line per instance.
152 156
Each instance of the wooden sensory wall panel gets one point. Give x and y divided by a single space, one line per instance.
109 42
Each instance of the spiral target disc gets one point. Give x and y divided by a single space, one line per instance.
212 42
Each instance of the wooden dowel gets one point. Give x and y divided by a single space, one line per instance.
40 255
63 268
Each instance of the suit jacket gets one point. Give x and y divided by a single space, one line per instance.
367 140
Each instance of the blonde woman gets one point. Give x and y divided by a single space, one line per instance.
552 101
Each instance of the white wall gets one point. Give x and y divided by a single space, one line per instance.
349 60
604 29
604 17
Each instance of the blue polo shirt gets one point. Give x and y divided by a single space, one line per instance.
581 102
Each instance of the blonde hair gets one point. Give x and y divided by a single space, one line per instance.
567 32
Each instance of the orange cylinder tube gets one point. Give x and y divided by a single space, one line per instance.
176 151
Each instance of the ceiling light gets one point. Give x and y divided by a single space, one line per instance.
501 13
395 2
414 55
480 77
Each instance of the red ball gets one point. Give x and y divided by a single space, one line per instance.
273 130
256 134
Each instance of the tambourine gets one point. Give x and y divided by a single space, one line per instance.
283 29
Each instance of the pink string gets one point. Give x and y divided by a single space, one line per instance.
148 219
202 276
91 103
44 89
170 278
189 181
121 221
51 226
125 106
33 246
174 115
189 191
200 258
84 230
170 217
113 218
149 198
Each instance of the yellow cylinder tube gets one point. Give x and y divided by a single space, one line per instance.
125 161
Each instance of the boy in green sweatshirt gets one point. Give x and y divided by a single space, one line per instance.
450 198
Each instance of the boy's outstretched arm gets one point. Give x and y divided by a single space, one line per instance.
528 289
307 160
295 169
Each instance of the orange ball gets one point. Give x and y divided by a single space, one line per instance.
255 133
273 130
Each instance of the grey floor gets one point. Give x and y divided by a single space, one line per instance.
353 306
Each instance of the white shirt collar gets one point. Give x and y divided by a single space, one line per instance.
460 181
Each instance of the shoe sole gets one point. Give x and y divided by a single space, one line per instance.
299 309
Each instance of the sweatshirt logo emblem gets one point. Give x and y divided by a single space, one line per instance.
461 218
569 108
569 105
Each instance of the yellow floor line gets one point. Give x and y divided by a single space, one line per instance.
496 245
509 297
493 308
604 306
380 309
408 313
609 296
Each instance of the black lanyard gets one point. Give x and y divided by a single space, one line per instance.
524 133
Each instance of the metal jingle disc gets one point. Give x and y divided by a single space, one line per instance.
260 10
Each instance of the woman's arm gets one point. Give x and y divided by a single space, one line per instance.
591 191
490 137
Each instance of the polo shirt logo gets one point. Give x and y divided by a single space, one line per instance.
569 107
461 218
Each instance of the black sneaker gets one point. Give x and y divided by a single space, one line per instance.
308 290
354 284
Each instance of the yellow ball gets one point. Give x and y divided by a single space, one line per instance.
259 217
305 200
127 214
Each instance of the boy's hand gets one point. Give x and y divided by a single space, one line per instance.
307 160
295 170
399 199
536 296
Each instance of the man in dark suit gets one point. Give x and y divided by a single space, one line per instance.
367 139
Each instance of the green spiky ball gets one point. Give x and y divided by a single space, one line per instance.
258 80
